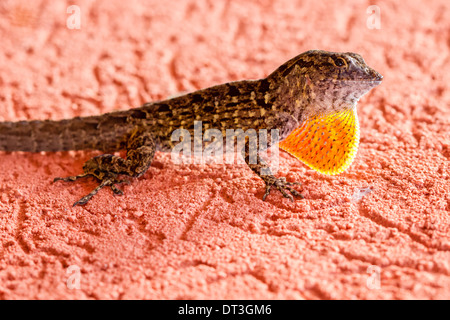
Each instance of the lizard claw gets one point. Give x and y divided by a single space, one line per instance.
281 185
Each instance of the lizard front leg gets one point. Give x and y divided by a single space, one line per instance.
107 167
262 169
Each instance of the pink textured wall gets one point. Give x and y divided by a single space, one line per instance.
192 231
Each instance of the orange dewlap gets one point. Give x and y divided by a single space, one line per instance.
328 143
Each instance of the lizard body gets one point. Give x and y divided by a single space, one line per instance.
313 95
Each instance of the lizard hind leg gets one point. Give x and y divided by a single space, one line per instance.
107 167
103 168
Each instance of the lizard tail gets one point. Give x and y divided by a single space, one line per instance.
97 132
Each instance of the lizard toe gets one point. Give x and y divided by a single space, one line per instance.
283 187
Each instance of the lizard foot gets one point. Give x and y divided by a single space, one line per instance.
104 168
107 179
281 185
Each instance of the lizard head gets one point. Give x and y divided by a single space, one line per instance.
339 67
328 81
322 88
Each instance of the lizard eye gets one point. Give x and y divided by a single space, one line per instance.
339 62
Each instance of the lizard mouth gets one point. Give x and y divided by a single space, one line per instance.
364 80
379 78
370 81
374 76
368 76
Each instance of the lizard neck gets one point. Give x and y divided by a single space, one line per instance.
289 94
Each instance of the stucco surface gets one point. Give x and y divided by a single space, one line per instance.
202 231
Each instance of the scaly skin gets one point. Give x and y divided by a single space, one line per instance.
313 83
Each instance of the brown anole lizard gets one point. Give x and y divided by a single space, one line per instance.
311 100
